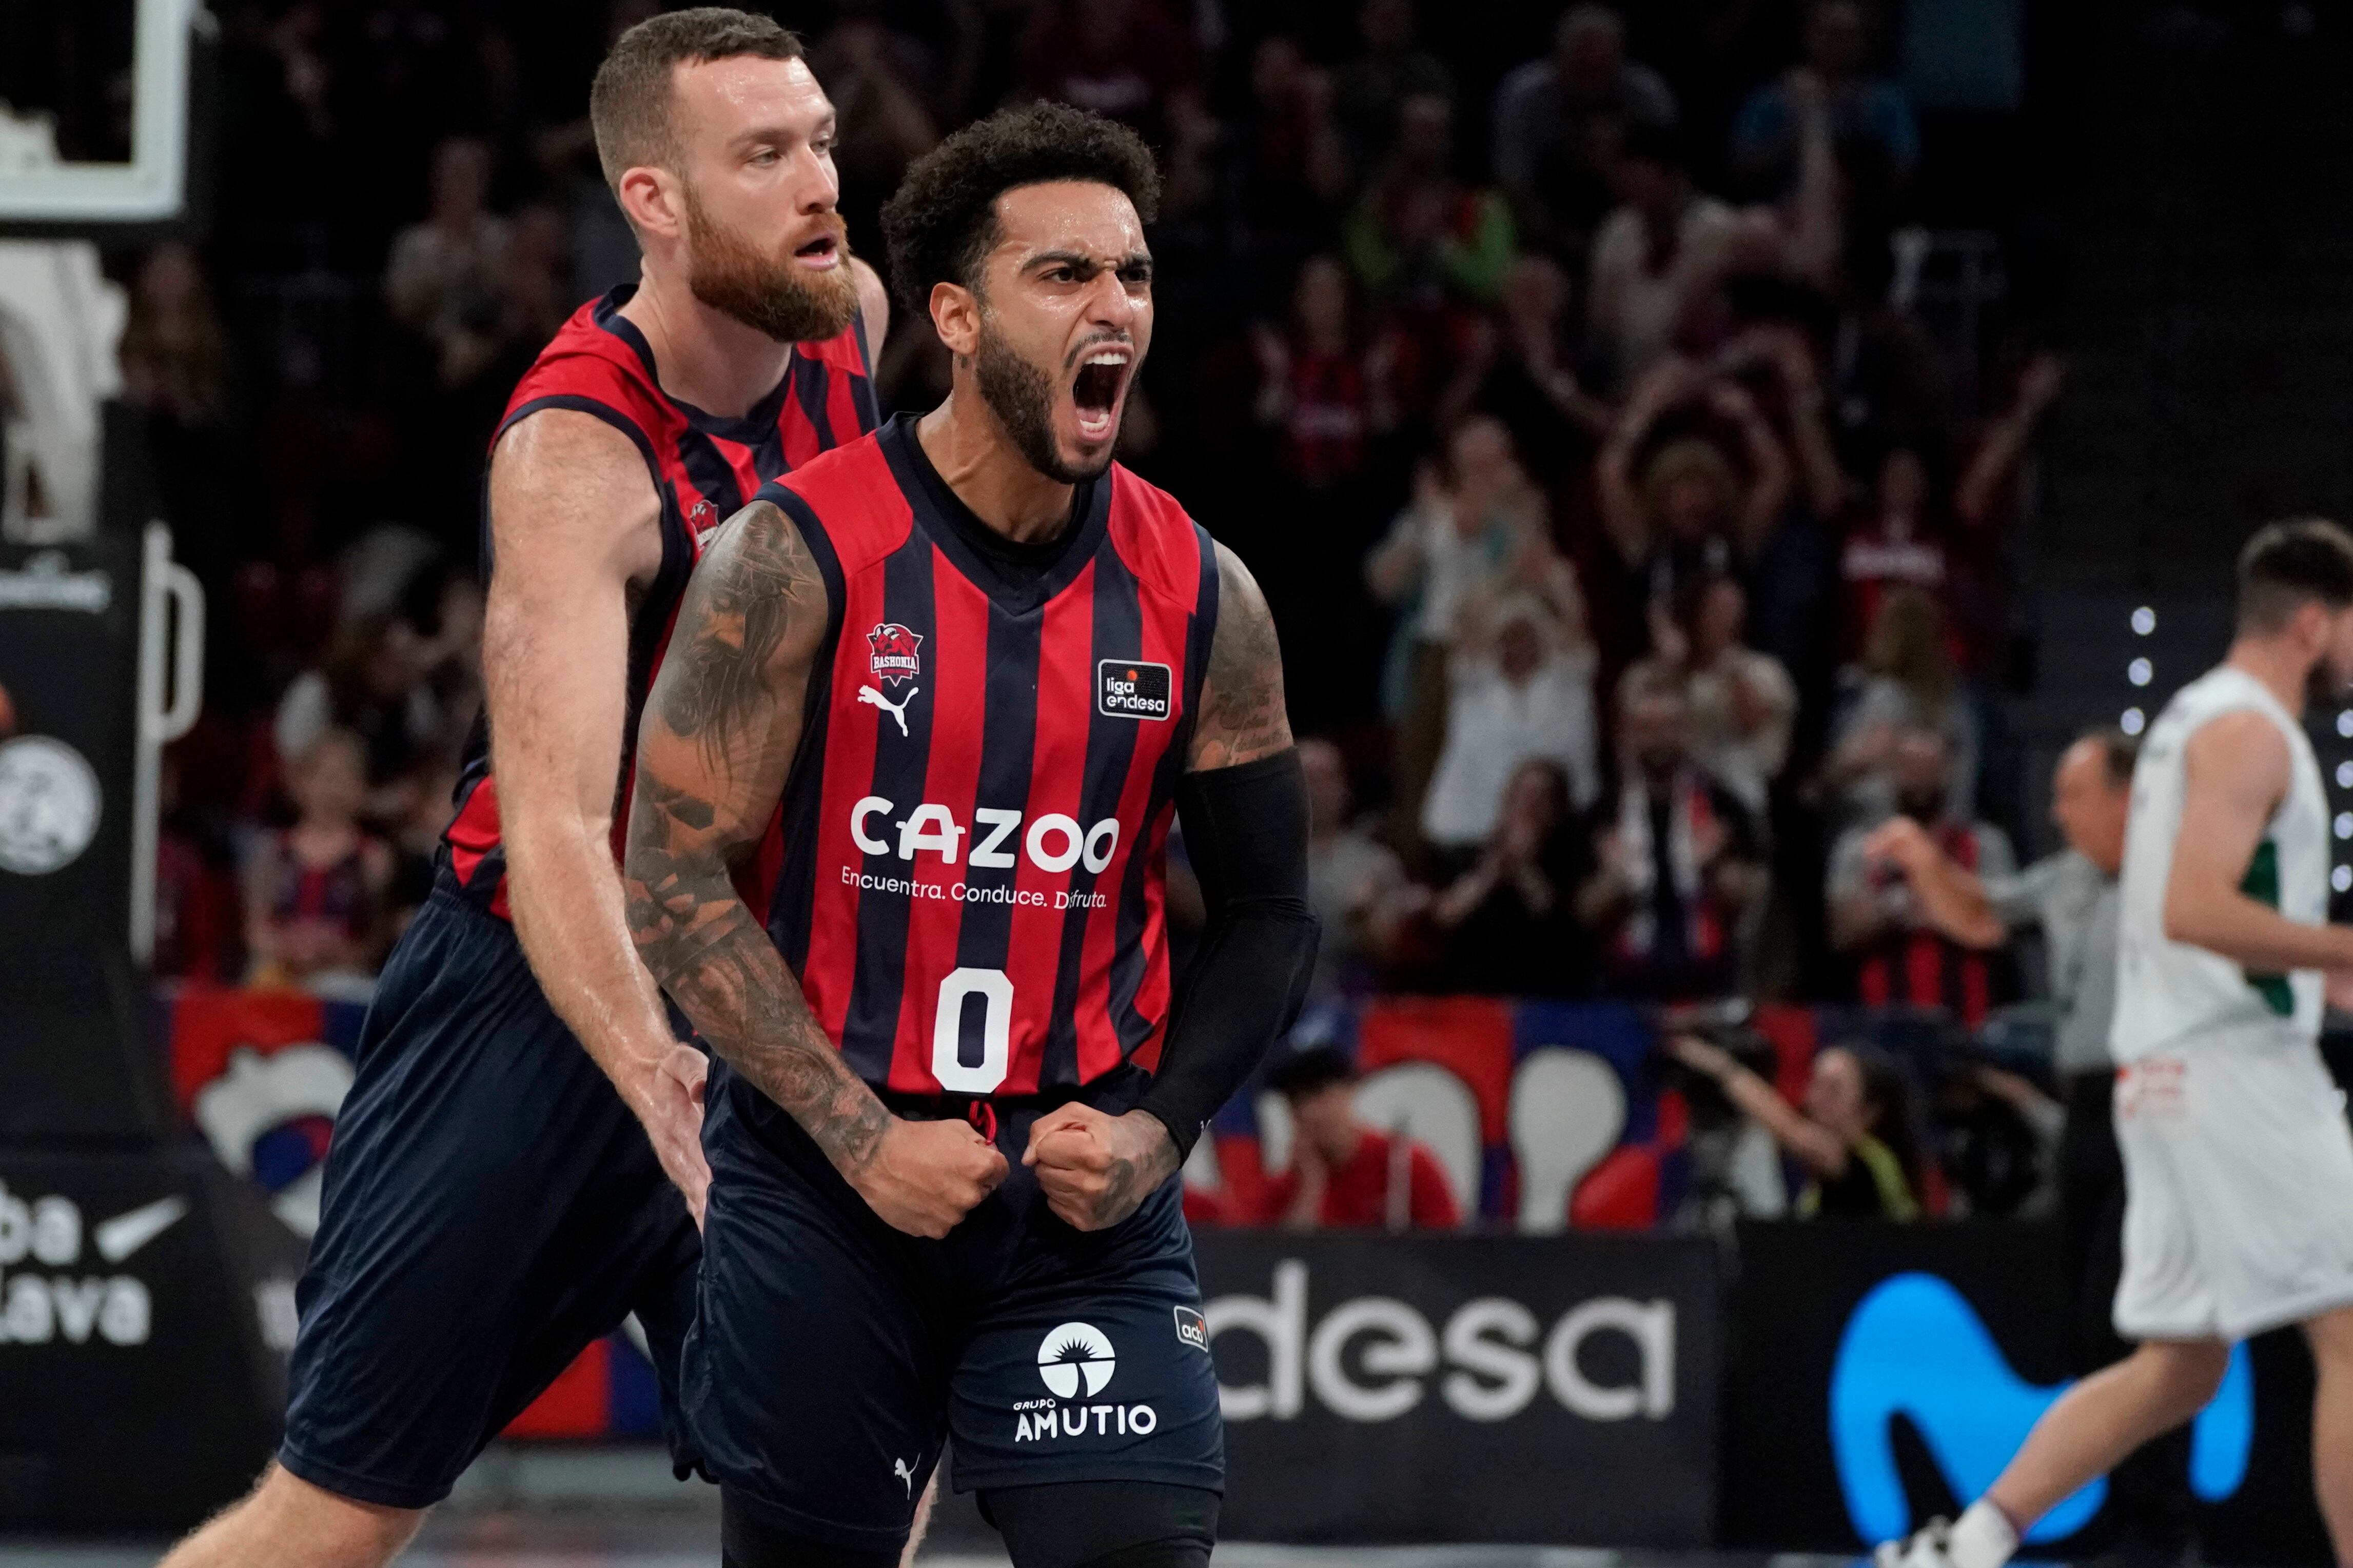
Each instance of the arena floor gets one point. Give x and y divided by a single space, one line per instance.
555 1508
525 1545
538 1508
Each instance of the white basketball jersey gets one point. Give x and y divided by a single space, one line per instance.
2166 990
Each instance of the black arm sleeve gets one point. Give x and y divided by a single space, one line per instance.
1246 830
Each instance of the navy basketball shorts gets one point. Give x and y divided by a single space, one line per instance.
491 1207
832 1355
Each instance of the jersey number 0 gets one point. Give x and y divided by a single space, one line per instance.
995 992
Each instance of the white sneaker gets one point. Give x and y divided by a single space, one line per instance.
1982 1537
1928 1547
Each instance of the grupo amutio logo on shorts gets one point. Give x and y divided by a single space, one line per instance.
1076 1361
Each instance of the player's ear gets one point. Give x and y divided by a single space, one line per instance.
956 315
651 200
2304 624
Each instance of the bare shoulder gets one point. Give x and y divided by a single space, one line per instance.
569 482
554 445
2238 741
2240 755
1242 714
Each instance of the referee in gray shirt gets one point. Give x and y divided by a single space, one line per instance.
2072 895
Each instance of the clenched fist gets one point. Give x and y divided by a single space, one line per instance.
1095 1169
925 1176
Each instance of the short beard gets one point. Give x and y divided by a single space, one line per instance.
1022 397
774 295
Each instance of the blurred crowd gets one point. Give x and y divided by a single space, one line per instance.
1639 538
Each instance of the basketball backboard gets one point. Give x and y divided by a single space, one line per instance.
94 109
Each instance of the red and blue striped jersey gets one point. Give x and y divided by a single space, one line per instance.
704 467
967 871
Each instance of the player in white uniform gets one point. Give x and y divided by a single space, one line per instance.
2238 1161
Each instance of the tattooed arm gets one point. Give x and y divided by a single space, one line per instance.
1244 805
1242 715
716 740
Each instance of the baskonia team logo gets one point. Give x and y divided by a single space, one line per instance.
895 652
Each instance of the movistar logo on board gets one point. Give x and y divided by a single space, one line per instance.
1915 1348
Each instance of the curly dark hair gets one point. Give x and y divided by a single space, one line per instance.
943 219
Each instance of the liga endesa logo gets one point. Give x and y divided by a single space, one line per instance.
1915 1348
1491 1359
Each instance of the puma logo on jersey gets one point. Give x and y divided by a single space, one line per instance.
899 1469
898 709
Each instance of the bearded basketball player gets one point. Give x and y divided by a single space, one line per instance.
518 1164
2238 1162
981 667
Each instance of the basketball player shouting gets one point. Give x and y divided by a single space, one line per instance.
497 1196
2238 1163
978 663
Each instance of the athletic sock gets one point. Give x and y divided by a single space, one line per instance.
1982 1537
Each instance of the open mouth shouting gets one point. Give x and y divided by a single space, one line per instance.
1098 386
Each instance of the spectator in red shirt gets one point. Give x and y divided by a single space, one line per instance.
315 891
1985 507
1330 398
1345 1171
1327 401
1905 533
1893 539
1900 953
